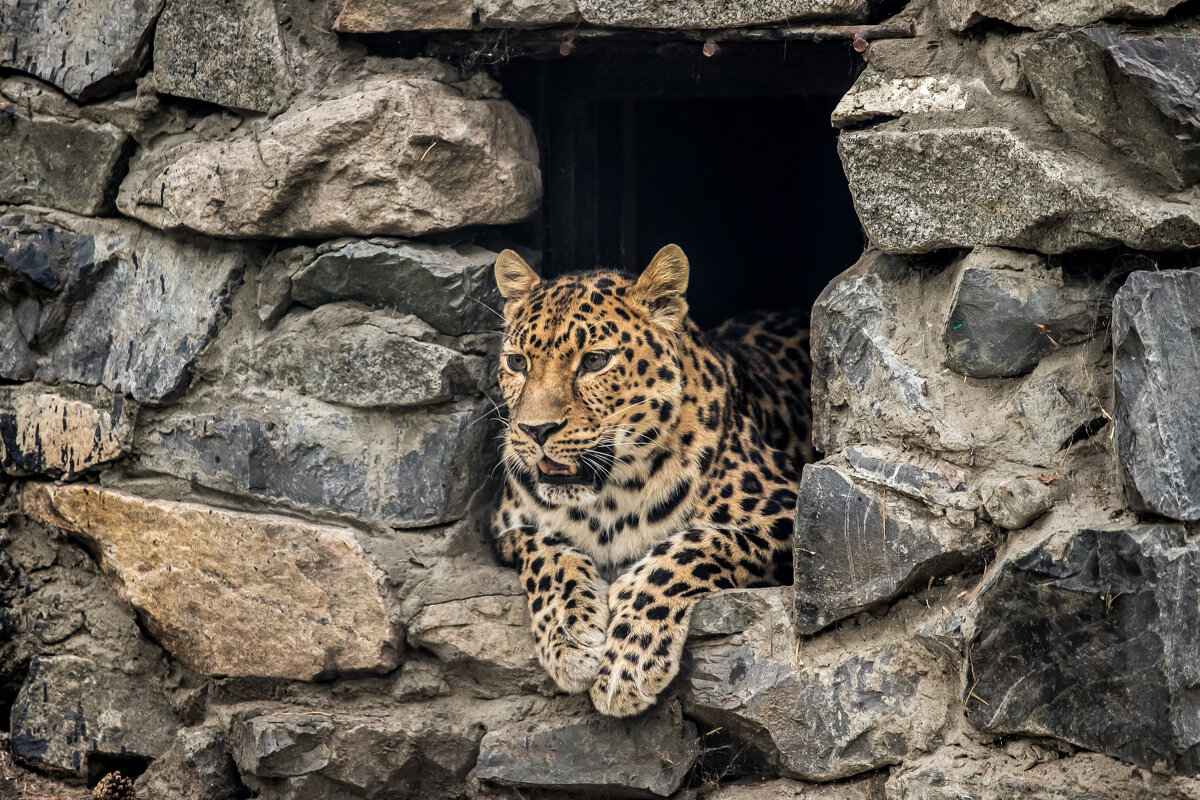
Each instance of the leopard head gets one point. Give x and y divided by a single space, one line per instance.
590 371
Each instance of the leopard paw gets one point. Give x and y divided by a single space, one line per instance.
569 624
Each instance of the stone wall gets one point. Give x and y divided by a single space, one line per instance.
248 327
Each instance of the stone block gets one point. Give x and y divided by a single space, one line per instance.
787 789
383 16
71 708
1090 638
962 14
86 48
857 544
1010 309
404 156
831 710
717 14
59 163
227 52
110 302
1064 399
577 750
922 190
194 767
404 470
449 287
232 593
50 430
1138 93
343 354
1156 380
875 97
526 13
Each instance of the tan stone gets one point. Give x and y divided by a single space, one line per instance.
233 593
378 16
52 433
488 635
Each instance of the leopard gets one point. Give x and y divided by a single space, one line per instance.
646 464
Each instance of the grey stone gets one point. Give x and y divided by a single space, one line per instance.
59 163
1018 502
1156 379
194 767
117 304
227 52
1090 638
858 544
580 751
1136 92
816 711
922 190
1064 399
787 789
382 16
56 430
1009 310
416 751
19 783
350 356
526 13
419 468
70 708
395 155
962 14
716 14
85 48
451 288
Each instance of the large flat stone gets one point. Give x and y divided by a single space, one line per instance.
110 302
404 470
228 52
51 430
526 13
232 593
962 14
71 707
59 163
84 47
857 544
717 14
402 156
1091 638
345 354
821 711
922 190
1156 379
578 750
382 16
1139 93
451 288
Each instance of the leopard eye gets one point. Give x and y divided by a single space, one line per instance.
595 361
516 362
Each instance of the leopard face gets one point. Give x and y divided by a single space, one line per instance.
590 371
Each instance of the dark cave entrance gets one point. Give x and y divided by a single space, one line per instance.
731 156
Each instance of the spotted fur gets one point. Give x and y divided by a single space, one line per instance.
686 450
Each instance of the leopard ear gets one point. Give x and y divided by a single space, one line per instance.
514 277
662 286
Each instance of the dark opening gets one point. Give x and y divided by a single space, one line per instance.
732 157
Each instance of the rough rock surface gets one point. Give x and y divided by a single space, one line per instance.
109 302
1009 310
923 190
579 750
1156 375
814 713
19 783
858 543
84 48
961 14
345 354
59 163
71 707
194 767
1090 638
403 470
404 156
786 789
451 288
1139 93
222 51
45 429
710 14
295 600
526 13
381 16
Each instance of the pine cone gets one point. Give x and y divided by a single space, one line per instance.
113 786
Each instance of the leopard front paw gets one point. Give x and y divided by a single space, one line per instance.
641 656
570 635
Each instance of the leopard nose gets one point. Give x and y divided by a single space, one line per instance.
540 433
